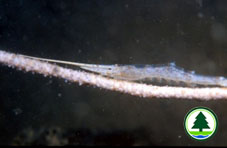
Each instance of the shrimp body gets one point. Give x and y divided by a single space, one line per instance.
151 72
147 72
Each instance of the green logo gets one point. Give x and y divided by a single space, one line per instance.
200 123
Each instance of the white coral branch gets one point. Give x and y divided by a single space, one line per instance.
136 89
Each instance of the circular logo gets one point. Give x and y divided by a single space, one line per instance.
200 123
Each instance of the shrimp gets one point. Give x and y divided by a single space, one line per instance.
168 73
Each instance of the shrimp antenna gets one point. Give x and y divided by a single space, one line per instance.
81 65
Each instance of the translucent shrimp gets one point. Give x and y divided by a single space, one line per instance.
168 73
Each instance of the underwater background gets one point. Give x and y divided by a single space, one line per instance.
38 110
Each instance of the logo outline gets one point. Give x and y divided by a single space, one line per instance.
214 116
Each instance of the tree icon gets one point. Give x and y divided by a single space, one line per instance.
200 122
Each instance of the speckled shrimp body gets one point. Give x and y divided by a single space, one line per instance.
168 73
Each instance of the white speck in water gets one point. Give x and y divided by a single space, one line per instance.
50 82
100 58
199 3
66 81
79 51
81 109
218 32
200 15
59 95
212 17
17 111
179 136
24 38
